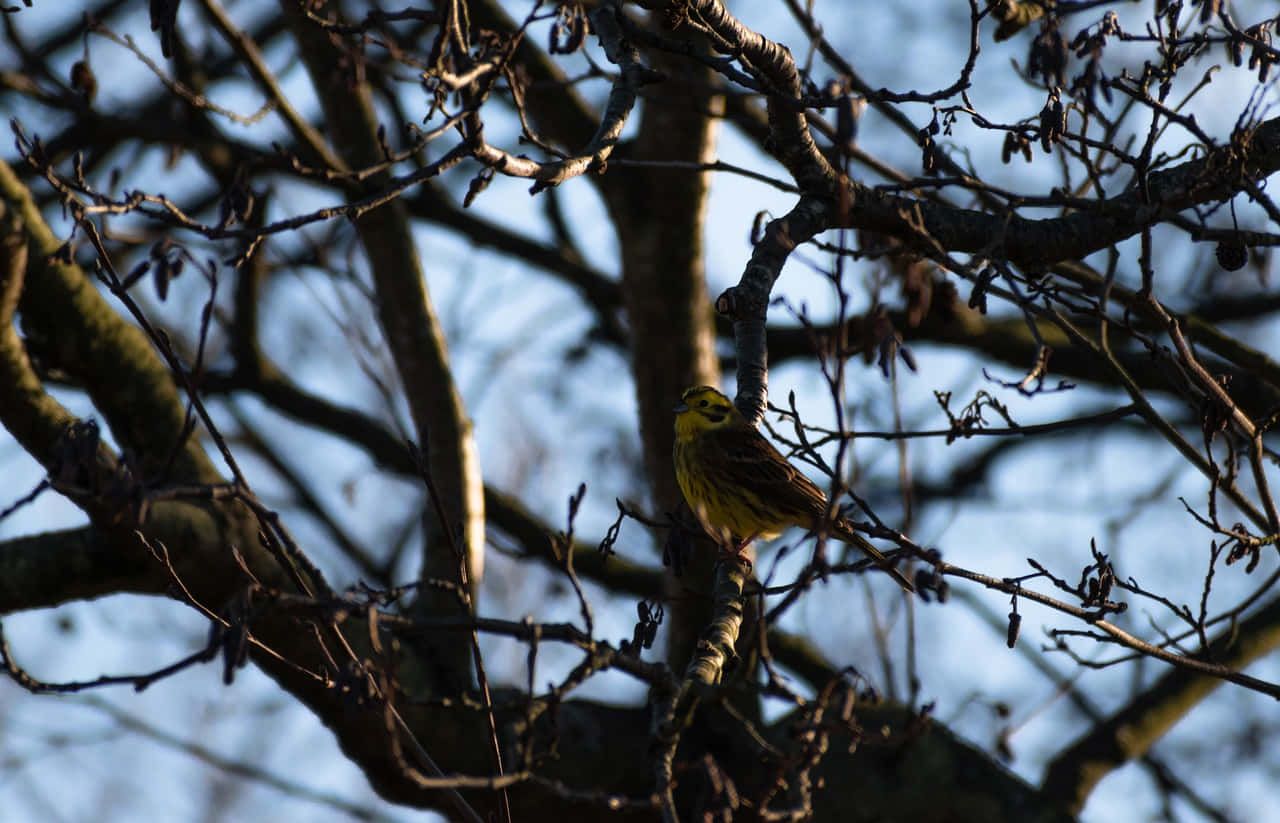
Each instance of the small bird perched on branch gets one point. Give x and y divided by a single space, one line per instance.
740 487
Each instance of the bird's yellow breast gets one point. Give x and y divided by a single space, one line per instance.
725 509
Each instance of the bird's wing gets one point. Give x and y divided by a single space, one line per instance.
760 469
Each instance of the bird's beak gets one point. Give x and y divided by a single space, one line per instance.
681 407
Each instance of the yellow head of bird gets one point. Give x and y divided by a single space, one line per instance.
702 408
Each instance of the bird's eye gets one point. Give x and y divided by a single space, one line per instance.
703 404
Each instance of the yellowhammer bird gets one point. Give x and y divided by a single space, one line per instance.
740 487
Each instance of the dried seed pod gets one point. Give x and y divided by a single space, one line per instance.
478 184
569 31
1110 25
83 80
577 32
164 19
1235 51
1231 256
1015 627
908 358
1053 122
1047 136
1048 55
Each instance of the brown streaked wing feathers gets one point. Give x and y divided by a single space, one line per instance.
760 469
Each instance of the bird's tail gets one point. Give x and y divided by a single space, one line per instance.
843 530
